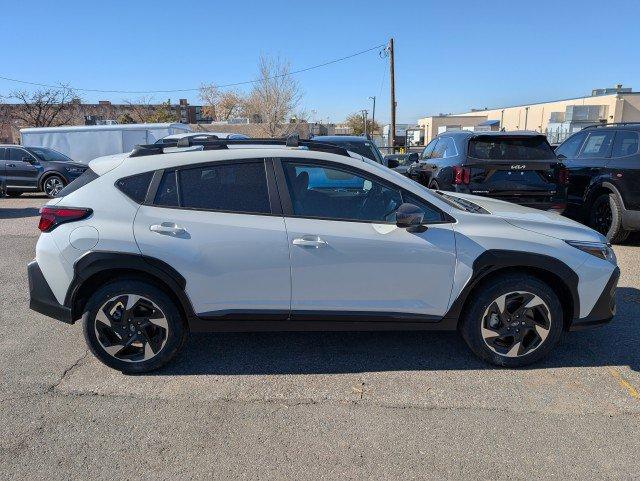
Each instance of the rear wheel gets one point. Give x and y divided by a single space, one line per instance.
606 218
133 326
513 320
52 185
13 193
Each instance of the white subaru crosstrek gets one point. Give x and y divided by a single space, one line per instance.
244 235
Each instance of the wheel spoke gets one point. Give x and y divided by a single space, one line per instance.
514 351
542 332
534 302
132 300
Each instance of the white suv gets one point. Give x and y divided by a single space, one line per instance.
243 235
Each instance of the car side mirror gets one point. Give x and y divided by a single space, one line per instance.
409 215
413 157
392 163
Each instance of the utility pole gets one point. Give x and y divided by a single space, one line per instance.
392 85
373 115
364 119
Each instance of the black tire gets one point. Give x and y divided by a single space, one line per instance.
13 193
482 300
57 184
605 211
175 338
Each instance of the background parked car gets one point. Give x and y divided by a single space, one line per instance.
518 167
36 169
359 145
401 162
604 178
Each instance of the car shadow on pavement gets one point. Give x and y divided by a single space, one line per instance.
352 352
17 213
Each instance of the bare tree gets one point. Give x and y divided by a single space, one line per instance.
139 109
143 110
221 105
50 107
274 98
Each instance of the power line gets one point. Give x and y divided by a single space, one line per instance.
235 84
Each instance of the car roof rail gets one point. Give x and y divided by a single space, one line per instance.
293 141
611 124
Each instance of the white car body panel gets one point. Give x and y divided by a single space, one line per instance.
371 267
231 261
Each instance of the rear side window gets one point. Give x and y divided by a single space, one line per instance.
510 148
626 143
84 178
598 144
135 187
238 187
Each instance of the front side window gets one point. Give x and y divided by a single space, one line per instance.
19 155
570 147
240 187
626 143
598 144
328 193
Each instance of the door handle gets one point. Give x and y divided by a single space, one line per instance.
11 165
168 228
309 241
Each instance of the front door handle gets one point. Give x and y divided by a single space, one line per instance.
168 228
309 241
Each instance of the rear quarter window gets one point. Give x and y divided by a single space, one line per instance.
135 187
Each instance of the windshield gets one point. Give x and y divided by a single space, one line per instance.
510 148
48 155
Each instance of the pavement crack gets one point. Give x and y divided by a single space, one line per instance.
68 370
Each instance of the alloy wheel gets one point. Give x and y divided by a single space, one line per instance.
602 216
131 328
516 324
52 186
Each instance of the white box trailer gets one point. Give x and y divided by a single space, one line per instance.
86 142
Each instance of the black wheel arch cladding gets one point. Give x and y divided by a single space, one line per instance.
494 260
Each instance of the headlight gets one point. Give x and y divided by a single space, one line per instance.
75 170
598 249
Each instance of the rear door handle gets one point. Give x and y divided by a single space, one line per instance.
309 241
168 228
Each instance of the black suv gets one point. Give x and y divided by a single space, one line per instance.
518 167
604 178
354 143
36 169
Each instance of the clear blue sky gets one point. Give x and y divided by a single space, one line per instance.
450 56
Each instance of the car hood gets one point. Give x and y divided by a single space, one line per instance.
68 164
534 220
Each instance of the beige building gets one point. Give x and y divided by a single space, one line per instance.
557 119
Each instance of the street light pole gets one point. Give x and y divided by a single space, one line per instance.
373 114
392 88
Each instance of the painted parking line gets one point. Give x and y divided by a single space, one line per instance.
633 392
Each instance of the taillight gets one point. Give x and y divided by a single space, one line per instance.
461 175
52 217
563 176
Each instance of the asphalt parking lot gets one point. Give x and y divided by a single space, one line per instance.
311 405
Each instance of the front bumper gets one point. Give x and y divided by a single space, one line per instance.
41 298
604 309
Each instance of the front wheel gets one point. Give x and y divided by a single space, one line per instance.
606 218
513 320
52 185
133 326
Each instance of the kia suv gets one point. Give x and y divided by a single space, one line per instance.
516 166
604 189
254 235
36 169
